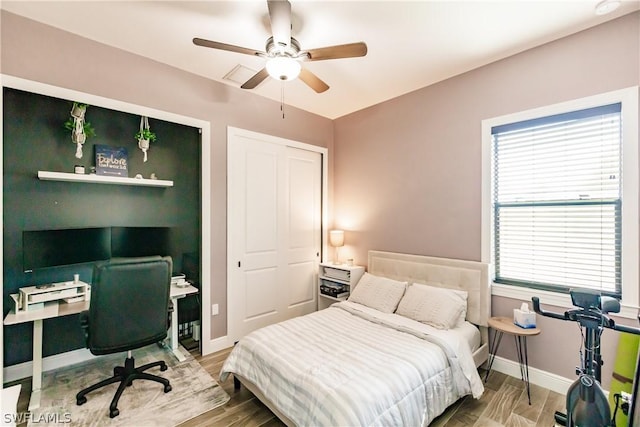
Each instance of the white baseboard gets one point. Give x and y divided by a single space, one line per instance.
215 344
25 369
536 376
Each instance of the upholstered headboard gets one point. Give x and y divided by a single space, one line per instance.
469 276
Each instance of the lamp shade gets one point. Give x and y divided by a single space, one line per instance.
336 238
283 68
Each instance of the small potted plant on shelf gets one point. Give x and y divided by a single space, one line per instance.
80 129
145 136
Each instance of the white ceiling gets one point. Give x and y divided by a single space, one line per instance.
411 44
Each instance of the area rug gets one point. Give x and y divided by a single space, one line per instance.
144 403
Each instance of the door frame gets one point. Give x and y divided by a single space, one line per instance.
13 82
324 179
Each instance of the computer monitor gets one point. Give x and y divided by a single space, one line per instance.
51 248
140 241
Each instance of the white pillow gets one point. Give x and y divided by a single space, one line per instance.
439 307
377 292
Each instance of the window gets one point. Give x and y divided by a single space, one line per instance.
560 200
556 200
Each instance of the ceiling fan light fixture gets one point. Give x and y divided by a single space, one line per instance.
283 53
283 68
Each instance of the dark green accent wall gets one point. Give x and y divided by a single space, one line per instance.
35 139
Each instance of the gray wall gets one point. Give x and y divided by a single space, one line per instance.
34 51
407 172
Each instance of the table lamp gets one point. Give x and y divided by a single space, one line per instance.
336 239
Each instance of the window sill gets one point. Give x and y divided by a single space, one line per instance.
550 298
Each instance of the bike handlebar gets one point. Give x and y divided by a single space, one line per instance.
537 309
575 315
629 329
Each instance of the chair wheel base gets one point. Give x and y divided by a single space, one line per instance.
125 376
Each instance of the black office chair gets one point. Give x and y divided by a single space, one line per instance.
128 310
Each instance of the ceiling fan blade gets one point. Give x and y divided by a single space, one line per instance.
313 81
350 50
229 47
280 16
256 79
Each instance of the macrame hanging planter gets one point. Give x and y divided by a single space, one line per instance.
79 128
145 136
79 137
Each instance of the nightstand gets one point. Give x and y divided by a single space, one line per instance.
505 325
335 282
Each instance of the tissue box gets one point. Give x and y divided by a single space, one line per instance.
524 319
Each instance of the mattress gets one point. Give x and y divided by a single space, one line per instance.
351 365
471 334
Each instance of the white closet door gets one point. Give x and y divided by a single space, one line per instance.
274 235
303 210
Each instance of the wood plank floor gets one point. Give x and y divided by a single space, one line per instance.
504 403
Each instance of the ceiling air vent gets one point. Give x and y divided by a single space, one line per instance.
239 74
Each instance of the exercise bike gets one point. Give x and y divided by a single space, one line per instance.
587 404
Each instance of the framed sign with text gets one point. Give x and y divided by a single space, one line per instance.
111 161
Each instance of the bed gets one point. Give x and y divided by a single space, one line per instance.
377 358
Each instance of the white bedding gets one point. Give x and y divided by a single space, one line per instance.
471 334
352 365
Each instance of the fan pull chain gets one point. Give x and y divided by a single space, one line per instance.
282 99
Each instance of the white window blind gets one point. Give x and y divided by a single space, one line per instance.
557 201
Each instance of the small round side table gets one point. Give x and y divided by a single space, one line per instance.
505 325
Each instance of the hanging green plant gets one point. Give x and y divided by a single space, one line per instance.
88 130
80 129
78 110
146 134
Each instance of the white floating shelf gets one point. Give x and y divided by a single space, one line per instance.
102 179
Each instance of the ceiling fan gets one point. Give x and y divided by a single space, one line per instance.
284 54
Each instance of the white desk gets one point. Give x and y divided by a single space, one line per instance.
177 293
58 309
51 309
